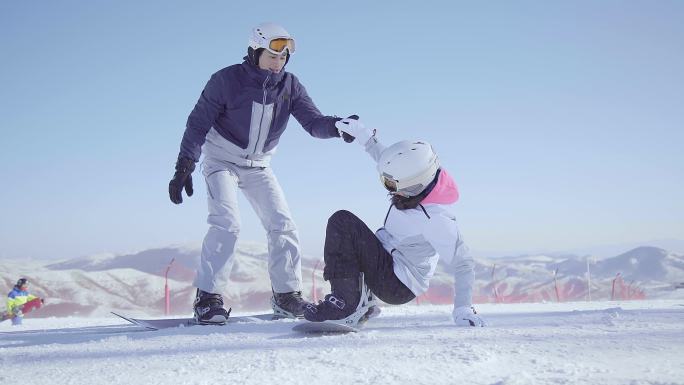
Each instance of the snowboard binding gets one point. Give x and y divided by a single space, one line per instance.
288 305
367 308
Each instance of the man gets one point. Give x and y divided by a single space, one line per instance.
236 124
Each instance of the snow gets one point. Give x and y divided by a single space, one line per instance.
631 342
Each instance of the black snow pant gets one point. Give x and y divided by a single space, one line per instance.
352 248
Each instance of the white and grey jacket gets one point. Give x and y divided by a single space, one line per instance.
420 238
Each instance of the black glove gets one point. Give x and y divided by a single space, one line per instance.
182 178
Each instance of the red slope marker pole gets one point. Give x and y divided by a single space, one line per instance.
314 294
167 295
612 291
555 284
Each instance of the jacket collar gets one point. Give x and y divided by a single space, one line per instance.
260 76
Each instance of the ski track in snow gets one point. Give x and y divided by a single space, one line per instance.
638 342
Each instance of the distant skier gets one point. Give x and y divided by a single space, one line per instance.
236 124
17 299
398 260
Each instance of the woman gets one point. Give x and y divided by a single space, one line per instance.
397 262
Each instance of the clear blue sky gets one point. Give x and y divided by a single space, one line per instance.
562 122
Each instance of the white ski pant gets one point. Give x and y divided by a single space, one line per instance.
262 190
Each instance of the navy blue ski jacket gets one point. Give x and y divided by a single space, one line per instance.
243 111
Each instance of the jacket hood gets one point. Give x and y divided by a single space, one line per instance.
444 192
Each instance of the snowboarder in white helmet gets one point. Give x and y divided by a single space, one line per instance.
397 262
406 168
270 37
236 124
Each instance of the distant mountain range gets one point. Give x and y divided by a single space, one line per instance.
642 271
598 251
134 283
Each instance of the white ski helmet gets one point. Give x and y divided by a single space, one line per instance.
406 168
272 37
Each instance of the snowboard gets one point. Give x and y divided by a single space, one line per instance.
325 327
166 323
25 309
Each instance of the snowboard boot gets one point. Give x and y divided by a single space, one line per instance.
350 303
288 305
209 309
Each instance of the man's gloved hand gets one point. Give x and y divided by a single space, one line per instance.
182 178
42 301
355 129
466 316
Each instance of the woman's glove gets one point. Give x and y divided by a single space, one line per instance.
356 129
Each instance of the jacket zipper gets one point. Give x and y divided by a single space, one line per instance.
263 111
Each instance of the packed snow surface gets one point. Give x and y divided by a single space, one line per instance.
636 342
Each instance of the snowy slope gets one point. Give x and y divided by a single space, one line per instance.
636 342
134 284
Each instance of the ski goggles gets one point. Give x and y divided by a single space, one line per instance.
391 186
280 44
406 192
388 183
